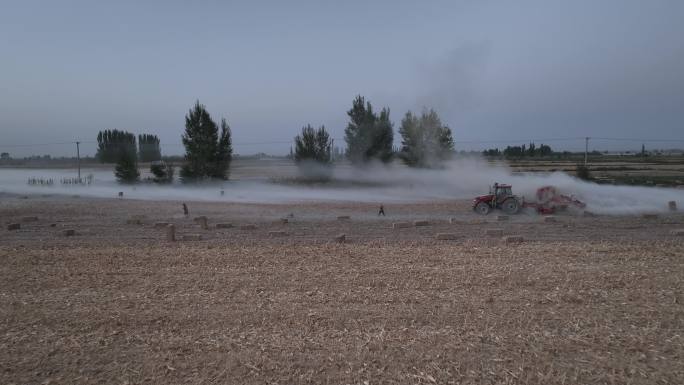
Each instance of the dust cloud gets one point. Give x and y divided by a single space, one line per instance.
460 179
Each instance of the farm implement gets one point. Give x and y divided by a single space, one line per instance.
548 201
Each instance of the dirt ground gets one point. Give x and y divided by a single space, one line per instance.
582 300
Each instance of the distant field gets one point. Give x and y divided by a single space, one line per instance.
664 171
632 170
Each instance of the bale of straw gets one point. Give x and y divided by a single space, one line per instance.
550 219
248 227
494 232
13 226
29 219
401 225
161 225
342 238
133 221
202 221
678 232
502 218
672 205
421 223
650 216
284 221
224 225
69 232
192 237
513 239
343 218
274 234
171 233
446 236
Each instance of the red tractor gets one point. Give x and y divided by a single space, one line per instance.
500 197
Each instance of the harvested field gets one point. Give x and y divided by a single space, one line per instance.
494 232
513 239
599 301
191 237
69 232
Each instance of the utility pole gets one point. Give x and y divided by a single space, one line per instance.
78 160
586 149
332 150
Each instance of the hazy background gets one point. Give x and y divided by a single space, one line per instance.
495 71
460 179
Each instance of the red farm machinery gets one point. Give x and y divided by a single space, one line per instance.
548 201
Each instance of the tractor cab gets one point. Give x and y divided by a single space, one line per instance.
501 191
500 197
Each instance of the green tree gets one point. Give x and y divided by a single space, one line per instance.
426 142
512 151
492 152
313 145
383 137
368 135
148 148
207 153
162 171
545 150
110 143
126 170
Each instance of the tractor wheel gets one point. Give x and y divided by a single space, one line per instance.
482 208
510 206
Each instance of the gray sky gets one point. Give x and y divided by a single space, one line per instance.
494 70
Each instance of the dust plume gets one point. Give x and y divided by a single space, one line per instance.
460 179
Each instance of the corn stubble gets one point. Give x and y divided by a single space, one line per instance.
382 312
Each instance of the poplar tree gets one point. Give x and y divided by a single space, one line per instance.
208 153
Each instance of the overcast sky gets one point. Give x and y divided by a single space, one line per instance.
494 70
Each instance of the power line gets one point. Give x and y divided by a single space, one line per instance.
517 140
37 144
638 140
252 143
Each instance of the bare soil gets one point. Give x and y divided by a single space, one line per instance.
582 300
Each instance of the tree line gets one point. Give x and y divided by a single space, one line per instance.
520 151
208 152
369 136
